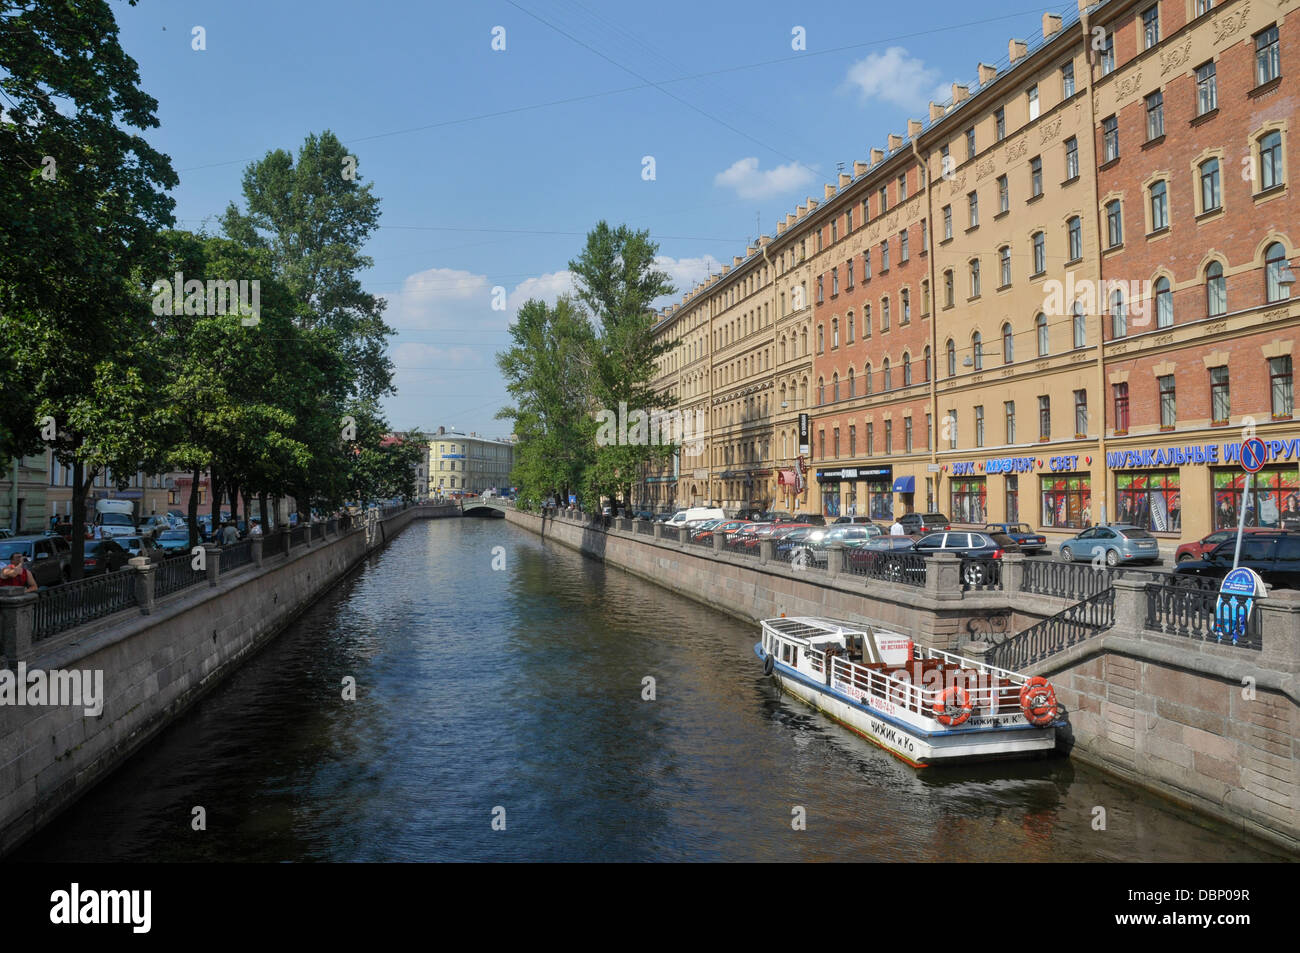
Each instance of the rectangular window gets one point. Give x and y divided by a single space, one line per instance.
866 265
1279 372
1013 498
1071 158
849 322
902 187
835 281
853 440
907 434
1044 418
925 235
821 289
1150 27
1080 413
1036 176
1004 194
1114 224
1155 115
1108 55
970 143
1009 409
889 436
884 314
1033 103
1207 89
848 220
1211 196
979 425
1151 500
1120 393
902 246
848 265
999 124
1220 401
884 255
1074 230
1268 64
1067 80
947 222
952 429
929 430
1040 253
871 439
1110 138
973 201
947 289
836 439
884 199
1168 406
1067 501
975 278
1159 207
1270 160
945 161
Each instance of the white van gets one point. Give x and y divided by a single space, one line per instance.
696 514
114 518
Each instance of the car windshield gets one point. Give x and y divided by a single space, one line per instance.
174 534
116 519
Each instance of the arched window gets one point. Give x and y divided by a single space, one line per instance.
1216 290
888 379
821 391
1008 345
803 395
952 358
927 362
848 328
1164 300
1118 315
821 339
835 386
866 378
852 384
907 369
835 332
1040 328
1277 273
783 349
1080 323
977 350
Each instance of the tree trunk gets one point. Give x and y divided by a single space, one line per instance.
218 497
192 510
265 513
234 503
80 484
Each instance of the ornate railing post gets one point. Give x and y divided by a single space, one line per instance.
718 536
766 550
257 551
834 559
1013 572
17 623
212 562
146 575
683 536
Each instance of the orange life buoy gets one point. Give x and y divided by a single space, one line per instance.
1038 702
953 706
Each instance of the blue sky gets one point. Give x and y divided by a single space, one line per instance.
492 165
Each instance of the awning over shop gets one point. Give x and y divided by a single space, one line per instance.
905 484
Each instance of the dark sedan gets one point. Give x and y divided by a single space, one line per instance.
1275 556
42 557
173 541
1026 538
888 557
980 553
104 555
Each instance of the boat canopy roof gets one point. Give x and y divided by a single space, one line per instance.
878 644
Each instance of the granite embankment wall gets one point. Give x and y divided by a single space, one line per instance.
1215 728
154 667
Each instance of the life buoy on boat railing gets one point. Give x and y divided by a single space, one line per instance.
953 706
768 664
1038 701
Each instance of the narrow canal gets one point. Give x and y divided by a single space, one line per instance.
521 689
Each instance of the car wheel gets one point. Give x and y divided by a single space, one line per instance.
1066 555
65 575
1186 558
973 575
1112 558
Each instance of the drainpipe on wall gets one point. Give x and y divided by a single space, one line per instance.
1101 315
776 320
931 435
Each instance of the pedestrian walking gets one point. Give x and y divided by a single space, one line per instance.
229 535
256 528
897 528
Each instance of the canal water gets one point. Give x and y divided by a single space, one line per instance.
514 697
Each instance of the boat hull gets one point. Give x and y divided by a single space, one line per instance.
917 748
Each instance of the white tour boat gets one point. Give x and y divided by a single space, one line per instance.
922 705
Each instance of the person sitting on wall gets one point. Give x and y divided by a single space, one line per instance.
17 574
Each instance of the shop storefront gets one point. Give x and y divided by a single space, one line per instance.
1274 497
1152 500
871 488
1012 490
968 500
1066 500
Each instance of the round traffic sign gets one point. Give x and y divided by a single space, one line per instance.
1254 454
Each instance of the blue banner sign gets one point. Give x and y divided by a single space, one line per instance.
1212 453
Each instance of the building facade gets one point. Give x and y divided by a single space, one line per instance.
1064 297
465 463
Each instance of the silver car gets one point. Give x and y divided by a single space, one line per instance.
1117 543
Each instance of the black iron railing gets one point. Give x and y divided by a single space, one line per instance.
272 544
981 574
1081 621
1072 581
176 573
332 527
1190 609
297 535
907 568
236 555
67 606
317 531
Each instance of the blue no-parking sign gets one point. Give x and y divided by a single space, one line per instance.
1254 454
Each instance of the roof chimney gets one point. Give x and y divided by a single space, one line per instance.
801 210
877 156
790 219
1016 50
828 190
780 228
859 167
736 260
987 72
895 141
914 127
845 179
960 93
936 111
1051 25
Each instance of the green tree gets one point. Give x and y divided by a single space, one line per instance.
618 280
314 216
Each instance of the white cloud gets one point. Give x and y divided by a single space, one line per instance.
897 77
547 288
749 183
440 299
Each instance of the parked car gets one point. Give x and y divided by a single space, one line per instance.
104 555
1275 555
889 557
1028 541
726 527
747 536
1117 543
778 516
153 525
42 558
173 541
6 532
852 519
978 551
139 546
814 519
643 515
818 542
1200 548
918 524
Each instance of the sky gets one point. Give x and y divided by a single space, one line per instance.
492 164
